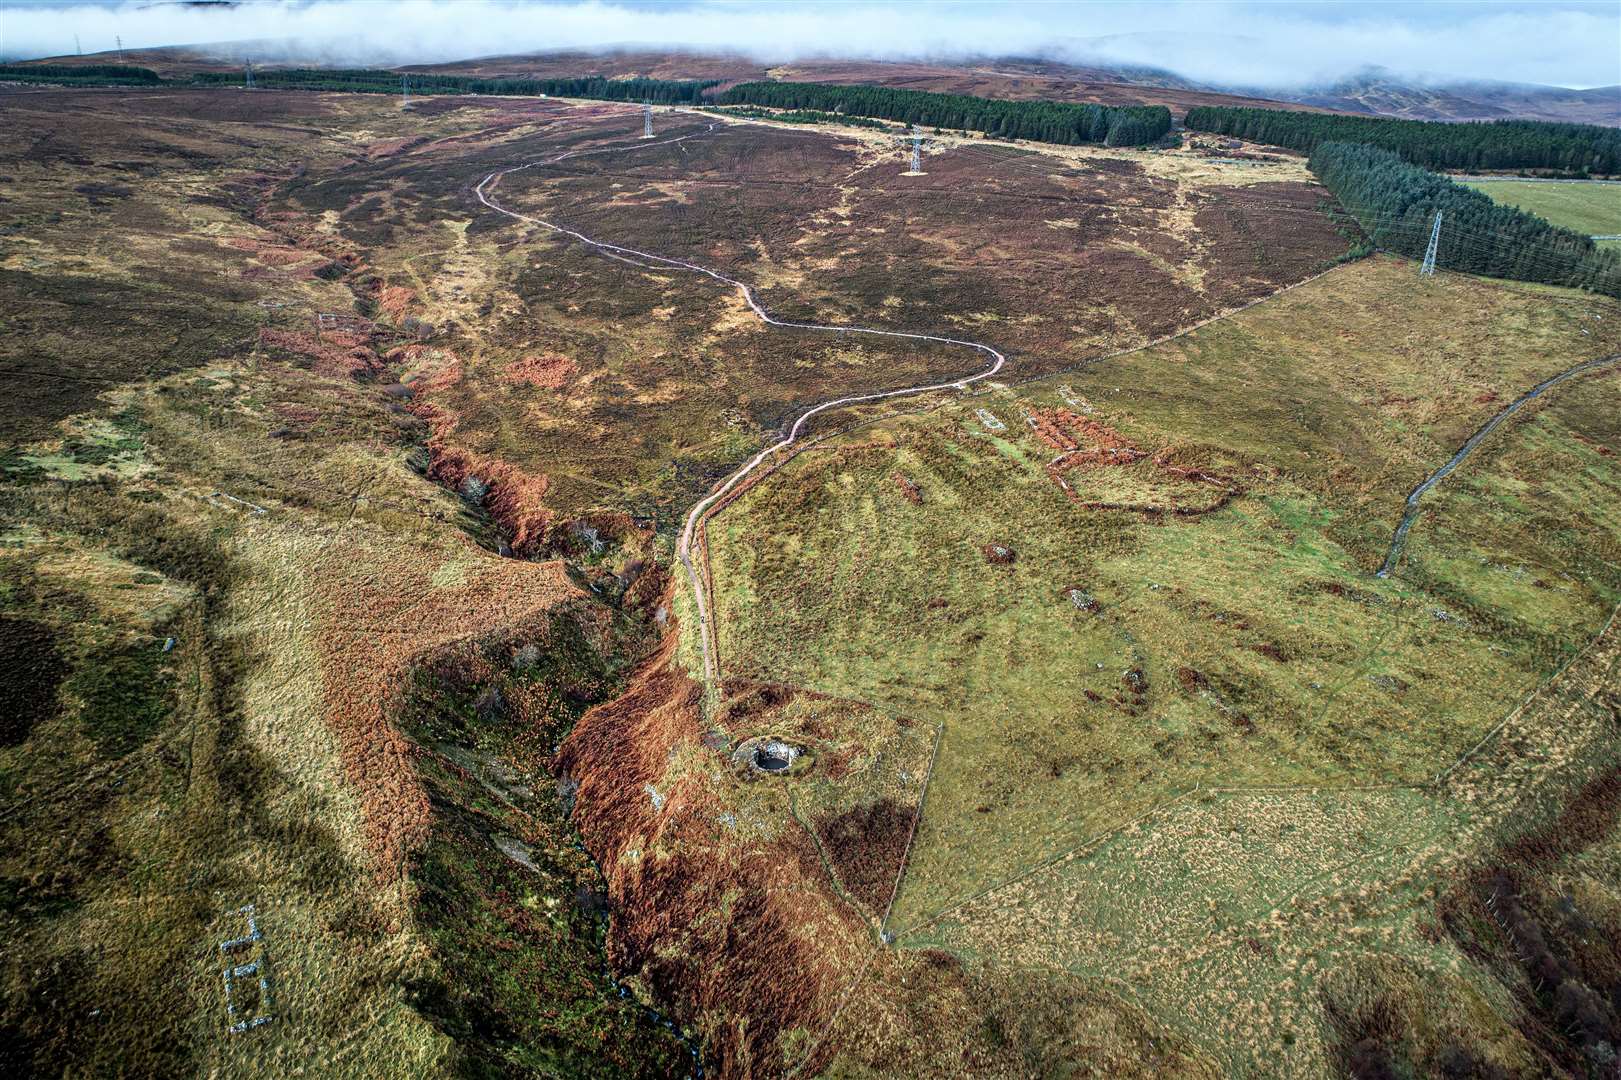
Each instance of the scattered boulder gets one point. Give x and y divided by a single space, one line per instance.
998 554
1083 600
589 534
1389 683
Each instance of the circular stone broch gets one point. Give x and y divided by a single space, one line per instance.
766 754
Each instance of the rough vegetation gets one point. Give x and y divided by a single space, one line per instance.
229 609
336 528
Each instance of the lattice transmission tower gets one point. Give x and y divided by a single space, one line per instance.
916 136
647 119
247 75
1428 269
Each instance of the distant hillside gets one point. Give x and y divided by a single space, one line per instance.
1012 78
1373 92
1380 93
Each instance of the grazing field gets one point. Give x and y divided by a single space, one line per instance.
1187 617
1593 208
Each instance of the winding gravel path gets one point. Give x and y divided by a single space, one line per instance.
484 190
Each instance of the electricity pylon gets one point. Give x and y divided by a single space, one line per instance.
1428 269
916 135
647 119
405 93
248 75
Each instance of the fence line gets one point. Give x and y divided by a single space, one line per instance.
917 817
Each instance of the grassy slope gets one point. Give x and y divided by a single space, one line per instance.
1271 601
1310 670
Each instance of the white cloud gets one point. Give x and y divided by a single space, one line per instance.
1262 45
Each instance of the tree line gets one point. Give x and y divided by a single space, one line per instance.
799 116
80 74
1041 121
369 81
1395 202
376 81
1495 144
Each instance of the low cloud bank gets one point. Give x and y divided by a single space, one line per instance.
1276 45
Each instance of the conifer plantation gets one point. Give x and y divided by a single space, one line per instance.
1042 121
1397 202
1500 144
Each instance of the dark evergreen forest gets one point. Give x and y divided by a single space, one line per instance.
1496 144
1396 202
1042 121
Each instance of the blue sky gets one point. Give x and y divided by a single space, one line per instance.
1286 43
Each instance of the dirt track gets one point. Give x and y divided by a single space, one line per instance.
484 191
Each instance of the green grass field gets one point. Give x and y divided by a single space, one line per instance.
1237 745
1252 646
1592 208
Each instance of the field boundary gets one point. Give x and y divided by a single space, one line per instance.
714 511
917 818
1536 692
1471 444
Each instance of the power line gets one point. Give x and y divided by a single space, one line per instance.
1386 219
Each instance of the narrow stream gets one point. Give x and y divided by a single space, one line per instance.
693 1044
